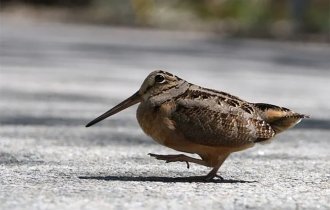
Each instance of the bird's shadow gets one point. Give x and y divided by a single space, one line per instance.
163 179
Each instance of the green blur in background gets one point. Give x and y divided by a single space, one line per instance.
279 19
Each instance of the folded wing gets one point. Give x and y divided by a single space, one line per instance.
202 125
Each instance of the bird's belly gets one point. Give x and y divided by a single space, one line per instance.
155 123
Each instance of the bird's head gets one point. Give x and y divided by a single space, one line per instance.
156 88
158 83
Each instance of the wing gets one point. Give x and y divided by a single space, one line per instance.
210 127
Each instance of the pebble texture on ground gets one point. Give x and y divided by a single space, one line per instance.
55 78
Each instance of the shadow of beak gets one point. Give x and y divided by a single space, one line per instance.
134 99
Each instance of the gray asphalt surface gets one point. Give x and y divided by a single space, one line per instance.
57 77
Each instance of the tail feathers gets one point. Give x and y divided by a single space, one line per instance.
279 118
296 115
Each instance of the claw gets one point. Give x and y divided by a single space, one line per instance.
209 178
188 166
220 177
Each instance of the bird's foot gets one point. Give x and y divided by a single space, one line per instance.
171 158
210 176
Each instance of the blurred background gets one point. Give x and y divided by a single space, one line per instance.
64 62
276 19
255 48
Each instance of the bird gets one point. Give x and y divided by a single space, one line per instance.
196 120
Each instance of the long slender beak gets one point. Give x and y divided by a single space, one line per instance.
134 99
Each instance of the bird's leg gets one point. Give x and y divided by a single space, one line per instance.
178 158
213 172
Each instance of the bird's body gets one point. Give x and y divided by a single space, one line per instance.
210 123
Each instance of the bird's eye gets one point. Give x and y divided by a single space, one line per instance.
159 78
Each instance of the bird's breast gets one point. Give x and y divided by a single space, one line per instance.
154 122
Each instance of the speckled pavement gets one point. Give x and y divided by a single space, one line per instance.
54 78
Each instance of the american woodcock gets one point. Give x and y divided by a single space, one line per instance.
193 119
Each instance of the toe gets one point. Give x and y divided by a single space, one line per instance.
152 155
219 177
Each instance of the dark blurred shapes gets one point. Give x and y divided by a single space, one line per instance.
51 3
280 19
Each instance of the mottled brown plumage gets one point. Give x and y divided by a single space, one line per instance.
193 119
